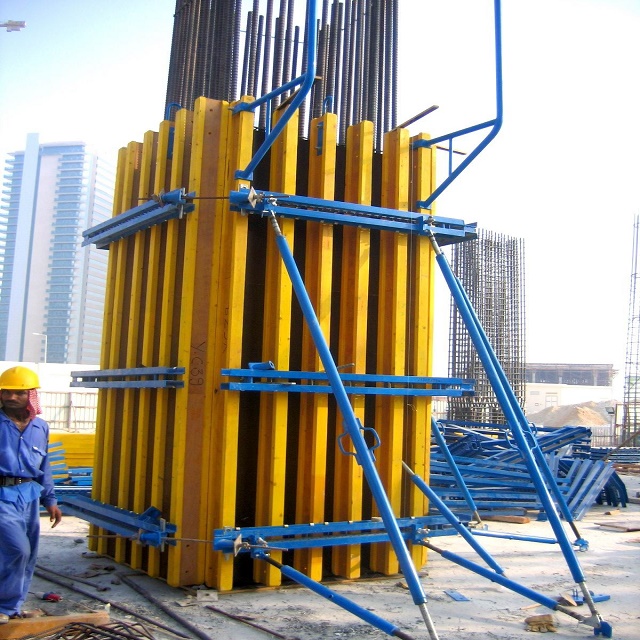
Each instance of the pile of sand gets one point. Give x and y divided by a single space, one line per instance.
586 414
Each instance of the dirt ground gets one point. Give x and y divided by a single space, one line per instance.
611 566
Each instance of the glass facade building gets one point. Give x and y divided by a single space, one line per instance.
52 288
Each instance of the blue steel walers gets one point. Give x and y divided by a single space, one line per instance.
492 367
352 426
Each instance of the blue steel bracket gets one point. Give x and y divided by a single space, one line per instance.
138 378
237 540
306 81
147 528
255 379
446 230
495 124
161 208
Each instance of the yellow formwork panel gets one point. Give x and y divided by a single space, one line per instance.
354 303
392 334
272 438
226 312
314 408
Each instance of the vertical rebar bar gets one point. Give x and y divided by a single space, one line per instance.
266 62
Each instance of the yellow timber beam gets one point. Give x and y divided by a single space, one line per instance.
314 408
354 303
225 349
392 333
276 342
150 312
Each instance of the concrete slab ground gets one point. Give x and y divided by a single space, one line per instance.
611 566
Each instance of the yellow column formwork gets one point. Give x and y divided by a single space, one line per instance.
102 480
210 291
354 303
391 335
314 408
226 314
272 438
150 312
420 339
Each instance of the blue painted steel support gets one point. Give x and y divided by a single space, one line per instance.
453 519
446 230
325 534
462 485
513 536
138 378
495 124
306 81
265 379
353 427
147 528
166 206
515 418
594 621
338 599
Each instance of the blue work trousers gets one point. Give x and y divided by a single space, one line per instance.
19 534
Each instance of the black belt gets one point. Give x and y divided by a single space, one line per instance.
10 481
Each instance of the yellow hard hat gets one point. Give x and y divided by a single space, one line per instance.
18 378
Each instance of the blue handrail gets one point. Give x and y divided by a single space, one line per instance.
306 81
495 124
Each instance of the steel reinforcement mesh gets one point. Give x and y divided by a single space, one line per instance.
491 269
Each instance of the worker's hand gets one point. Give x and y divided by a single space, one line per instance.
55 515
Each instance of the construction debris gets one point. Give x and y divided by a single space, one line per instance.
542 623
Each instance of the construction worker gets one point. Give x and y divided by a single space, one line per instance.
25 483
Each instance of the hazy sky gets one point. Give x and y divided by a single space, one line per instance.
563 173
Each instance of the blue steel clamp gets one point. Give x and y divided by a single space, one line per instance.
374 446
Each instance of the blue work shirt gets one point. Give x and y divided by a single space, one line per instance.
24 454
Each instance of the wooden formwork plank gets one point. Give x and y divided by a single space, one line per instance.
314 408
134 291
392 330
420 339
193 421
227 310
354 302
104 434
140 402
272 439
168 332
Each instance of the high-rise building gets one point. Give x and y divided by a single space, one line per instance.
52 288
